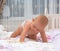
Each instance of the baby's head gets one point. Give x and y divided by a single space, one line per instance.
40 22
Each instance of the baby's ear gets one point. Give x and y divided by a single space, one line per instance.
33 19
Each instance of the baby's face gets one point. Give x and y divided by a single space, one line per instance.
37 27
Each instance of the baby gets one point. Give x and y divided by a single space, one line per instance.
32 28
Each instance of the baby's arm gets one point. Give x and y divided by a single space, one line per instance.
17 32
43 35
24 32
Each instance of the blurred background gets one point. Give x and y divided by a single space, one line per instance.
14 12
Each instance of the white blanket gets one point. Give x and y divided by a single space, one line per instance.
13 43
27 46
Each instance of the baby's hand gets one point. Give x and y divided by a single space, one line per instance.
12 36
7 38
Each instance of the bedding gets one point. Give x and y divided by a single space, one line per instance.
13 44
55 38
8 45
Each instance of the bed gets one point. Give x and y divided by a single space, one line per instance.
53 36
13 44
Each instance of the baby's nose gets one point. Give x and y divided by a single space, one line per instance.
36 31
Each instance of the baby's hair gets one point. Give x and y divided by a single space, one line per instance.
42 19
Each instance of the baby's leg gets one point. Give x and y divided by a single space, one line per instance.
17 32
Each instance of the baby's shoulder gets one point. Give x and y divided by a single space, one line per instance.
26 23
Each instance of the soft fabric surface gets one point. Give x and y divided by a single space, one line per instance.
13 44
6 45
